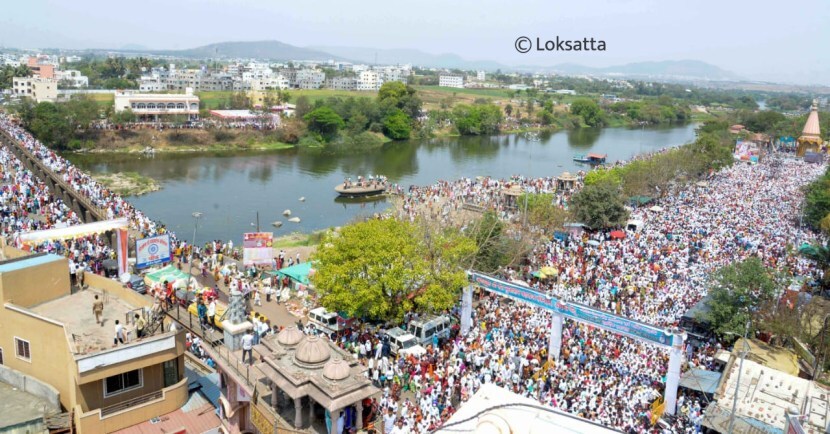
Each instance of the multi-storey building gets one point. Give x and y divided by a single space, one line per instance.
38 89
342 83
450 80
156 106
49 334
72 78
309 79
369 80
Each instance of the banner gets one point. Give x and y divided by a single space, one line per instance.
152 250
746 151
575 311
122 237
466 310
257 248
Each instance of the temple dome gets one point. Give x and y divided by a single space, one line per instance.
811 127
290 336
312 351
336 369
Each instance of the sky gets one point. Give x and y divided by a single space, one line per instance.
761 39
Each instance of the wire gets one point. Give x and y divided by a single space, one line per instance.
509 405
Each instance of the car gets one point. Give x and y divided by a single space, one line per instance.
426 328
403 343
136 283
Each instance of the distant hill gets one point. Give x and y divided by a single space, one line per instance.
265 50
412 56
668 68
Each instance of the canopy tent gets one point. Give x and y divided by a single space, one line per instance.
297 272
639 200
170 274
71 232
700 380
617 234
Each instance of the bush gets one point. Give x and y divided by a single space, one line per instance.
222 136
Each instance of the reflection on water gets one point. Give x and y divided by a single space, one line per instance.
229 187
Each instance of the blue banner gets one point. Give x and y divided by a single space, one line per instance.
152 251
575 311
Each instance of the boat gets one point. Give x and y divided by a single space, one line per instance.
362 187
590 158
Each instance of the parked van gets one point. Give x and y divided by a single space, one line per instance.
404 343
329 322
425 328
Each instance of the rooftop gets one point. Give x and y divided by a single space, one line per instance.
19 407
765 394
75 312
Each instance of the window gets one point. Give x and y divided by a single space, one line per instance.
122 382
171 372
22 349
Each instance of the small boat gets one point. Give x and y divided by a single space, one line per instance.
590 158
362 187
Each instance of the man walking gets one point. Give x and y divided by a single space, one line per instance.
247 347
98 310
211 311
119 334
80 276
139 326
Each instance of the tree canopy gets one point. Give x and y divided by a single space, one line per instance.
600 205
324 121
589 111
738 290
380 269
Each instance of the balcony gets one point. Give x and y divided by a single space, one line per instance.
132 411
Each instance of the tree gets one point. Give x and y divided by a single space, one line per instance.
303 106
589 111
508 109
325 122
600 205
738 290
542 212
396 125
381 269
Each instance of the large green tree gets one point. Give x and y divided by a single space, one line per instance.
325 122
589 111
381 269
600 205
396 125
737 292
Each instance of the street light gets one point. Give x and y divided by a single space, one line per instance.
196 216
738 381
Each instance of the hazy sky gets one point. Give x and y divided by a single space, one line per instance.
761 39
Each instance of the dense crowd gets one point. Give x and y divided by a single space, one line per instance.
653 274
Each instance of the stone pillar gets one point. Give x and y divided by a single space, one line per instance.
466 309
359 415
234 332
673 374
310 411
298 413
335 416
275 397
555 344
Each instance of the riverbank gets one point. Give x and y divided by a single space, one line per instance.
180 140
127 183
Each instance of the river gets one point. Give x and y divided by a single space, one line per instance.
230 187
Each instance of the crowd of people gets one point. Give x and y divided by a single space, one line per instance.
652 274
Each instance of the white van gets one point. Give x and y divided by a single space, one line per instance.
403 343
425 328
323 320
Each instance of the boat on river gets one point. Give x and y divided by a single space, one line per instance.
590 158
362 188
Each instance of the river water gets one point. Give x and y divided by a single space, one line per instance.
230 187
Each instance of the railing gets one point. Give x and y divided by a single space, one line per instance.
21 151
106 411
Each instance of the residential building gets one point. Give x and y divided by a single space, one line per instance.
41 67
154 107
450 80
309 79
71 78
38 89
369 80
274 82
481 76
342 83
49 334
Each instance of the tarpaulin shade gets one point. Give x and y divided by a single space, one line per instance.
297 272
168 273
76 231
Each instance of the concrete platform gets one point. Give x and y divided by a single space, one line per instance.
21 409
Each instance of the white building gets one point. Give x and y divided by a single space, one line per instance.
481 76
152 106
71 78
342 83
369 80
275 82
38 89
309 79
451 81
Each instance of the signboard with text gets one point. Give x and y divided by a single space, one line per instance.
152 251
257 248
575 311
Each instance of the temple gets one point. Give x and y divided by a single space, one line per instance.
810 139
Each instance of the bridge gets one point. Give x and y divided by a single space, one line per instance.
81 205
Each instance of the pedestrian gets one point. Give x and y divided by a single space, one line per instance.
257 298
247 347
211 311
139 326
119 334
98 310
341 423
201 310
80 276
